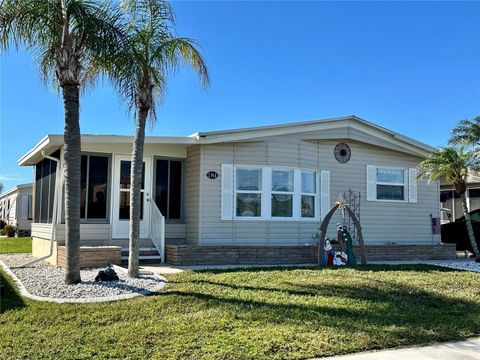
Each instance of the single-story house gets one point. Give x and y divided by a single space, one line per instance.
16 208
253 195
451 204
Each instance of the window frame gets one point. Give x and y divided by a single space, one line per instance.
236 191
384 183
266 193
314 194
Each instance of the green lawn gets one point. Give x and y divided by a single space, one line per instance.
254 314
15 245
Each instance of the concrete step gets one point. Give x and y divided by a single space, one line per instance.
147 255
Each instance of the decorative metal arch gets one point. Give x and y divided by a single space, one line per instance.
323 233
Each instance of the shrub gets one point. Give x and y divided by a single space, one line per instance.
2 224
9 230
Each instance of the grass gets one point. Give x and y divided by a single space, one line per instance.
15 245
253 314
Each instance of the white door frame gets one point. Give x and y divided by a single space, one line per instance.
120 228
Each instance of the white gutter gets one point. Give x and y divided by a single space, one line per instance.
58 184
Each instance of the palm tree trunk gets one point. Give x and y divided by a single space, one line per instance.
468 223
72 157
135 192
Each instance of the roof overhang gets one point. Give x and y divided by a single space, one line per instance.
50 143
350 127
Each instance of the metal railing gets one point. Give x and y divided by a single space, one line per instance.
157 229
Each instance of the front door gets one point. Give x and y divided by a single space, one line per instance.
121 197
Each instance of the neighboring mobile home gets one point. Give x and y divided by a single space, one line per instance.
451 203
252 195
16 208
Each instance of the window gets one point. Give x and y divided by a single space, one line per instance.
309 192
282 193
273 193
168 188
94 187
248 189
45 173
125 178
390 184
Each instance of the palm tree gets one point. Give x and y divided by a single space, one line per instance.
467 132
139 76
66 36
453 164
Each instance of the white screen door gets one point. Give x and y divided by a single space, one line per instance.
121 197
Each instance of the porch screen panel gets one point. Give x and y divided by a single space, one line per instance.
51 193
175 193
38 191
168 188
97 187
45 173
83 186
161 186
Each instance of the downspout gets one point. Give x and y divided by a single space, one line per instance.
58 184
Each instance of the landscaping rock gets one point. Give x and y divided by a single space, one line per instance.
45 280
107 275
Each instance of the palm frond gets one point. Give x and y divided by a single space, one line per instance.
150 53
451 163
466 132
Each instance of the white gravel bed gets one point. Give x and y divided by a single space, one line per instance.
43 281
462 265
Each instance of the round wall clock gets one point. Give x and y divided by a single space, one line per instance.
342 153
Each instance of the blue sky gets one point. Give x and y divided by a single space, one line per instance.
413 67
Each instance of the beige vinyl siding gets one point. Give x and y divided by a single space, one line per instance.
88 232
192 195
383 222
41 231
174 231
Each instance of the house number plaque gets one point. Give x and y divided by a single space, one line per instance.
212 175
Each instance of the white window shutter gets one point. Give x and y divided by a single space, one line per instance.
24 207
324 193
371 183
227 192
412 185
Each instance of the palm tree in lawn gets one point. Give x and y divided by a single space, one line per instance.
139 75
66 36
453 164
467 132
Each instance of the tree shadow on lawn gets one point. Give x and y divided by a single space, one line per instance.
11 300
410 315
372 267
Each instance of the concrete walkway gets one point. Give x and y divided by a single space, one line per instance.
462 350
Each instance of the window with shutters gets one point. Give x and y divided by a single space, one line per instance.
390 183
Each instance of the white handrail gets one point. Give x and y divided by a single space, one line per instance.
157 229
